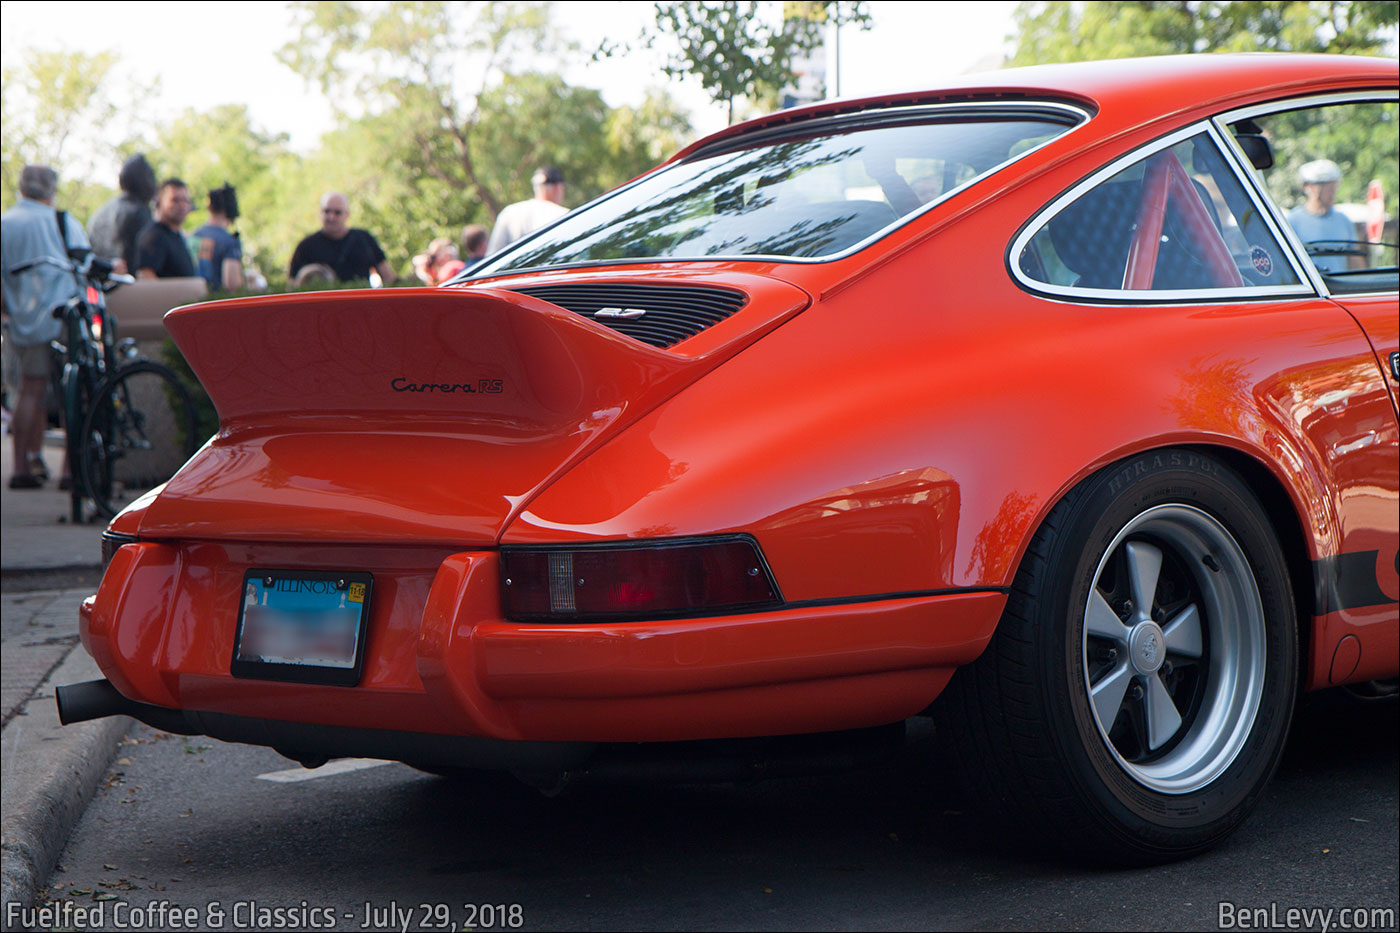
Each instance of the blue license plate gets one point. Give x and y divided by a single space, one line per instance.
306 626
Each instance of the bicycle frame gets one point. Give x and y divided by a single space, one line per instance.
90 353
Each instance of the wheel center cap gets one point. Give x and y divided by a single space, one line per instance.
1147 647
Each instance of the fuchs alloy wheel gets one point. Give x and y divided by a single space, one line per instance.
1137 694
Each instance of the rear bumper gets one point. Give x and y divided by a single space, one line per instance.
441 660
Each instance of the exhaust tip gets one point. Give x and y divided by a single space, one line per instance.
92 699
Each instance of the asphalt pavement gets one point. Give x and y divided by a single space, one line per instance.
47 566
193 822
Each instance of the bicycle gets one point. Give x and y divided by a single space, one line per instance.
129 422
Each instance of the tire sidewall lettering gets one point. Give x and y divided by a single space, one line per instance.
1159 478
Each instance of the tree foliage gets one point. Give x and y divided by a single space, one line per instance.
1361 140
1062 31
735 51
449 95
424 65
60 108
442 115
221 146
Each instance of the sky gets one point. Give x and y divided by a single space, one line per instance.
208 54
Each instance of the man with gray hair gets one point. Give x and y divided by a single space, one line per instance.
31 231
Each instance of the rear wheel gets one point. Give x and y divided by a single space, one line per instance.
78 388
1136 696
139 429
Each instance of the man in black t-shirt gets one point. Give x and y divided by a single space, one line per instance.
161 251
353 253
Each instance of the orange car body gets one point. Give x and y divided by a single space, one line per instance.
890 427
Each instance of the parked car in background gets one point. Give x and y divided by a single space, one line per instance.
1016 400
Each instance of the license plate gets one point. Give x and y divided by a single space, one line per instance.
306 626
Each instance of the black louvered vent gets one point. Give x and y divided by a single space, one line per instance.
672 312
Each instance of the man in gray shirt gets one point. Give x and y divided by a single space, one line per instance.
29 231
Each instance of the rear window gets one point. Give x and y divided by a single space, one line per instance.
812 192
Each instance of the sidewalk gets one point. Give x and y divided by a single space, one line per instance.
37 534
49 771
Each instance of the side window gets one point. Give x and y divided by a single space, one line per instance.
1332 170
1178 219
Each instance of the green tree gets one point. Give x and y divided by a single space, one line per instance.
222 145
736 52
1062 31
429 61
439 94
60 109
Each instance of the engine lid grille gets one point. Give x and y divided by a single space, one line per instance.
661 315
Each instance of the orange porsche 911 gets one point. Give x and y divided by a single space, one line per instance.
1058 404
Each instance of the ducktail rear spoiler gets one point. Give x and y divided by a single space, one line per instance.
408 415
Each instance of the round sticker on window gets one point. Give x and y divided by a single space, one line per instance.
1263 262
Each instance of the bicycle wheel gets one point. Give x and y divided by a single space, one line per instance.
139 430
79 385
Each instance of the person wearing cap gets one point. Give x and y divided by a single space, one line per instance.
1316 220
524 217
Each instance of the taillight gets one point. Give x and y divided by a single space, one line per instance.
629 581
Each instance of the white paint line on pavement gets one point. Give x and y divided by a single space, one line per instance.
339 766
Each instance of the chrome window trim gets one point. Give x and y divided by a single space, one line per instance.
1256 182
1244 172
1143 296
1082 114
1303 103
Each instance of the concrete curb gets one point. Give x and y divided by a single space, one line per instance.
50 773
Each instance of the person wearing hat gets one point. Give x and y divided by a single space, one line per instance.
1316 220
524 217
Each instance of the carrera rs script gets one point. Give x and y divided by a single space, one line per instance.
480 387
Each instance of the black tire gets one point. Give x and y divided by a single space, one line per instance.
78 390
139 429
1218 641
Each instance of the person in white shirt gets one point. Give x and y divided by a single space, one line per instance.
523 217
1317 221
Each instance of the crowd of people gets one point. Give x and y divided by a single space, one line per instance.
141 233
